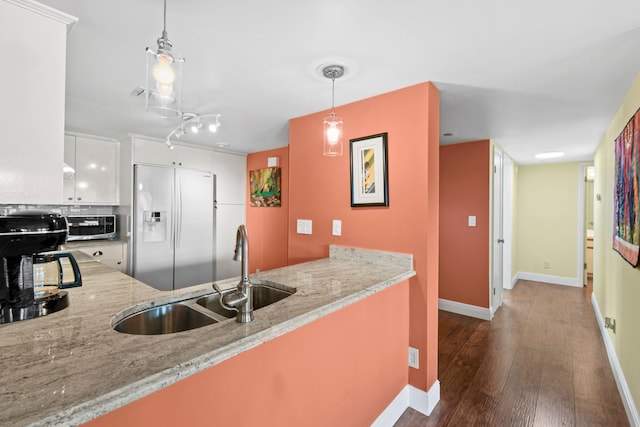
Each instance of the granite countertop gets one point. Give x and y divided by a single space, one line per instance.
79 244
71 366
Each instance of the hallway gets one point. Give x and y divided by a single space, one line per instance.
540 362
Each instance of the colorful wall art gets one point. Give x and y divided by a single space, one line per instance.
626 220
265 187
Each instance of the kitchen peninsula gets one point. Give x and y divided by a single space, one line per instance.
71 367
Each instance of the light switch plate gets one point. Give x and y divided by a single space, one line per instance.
337 228
304 226
472 221
414 358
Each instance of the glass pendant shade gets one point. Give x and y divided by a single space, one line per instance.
333 131
164 83
332 135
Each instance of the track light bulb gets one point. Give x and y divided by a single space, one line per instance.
213 127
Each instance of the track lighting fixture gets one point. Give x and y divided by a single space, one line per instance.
192 122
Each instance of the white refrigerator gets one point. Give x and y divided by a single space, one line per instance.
173 227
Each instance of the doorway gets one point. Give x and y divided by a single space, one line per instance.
587 229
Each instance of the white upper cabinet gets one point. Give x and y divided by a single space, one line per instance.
33 40
194 158
69 170
94 179
152 152
231 178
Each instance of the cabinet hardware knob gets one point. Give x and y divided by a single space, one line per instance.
97 253
119 262
180 164
69 198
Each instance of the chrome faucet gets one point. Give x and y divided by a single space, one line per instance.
241 300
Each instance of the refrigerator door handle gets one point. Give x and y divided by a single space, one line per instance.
172 239
178 209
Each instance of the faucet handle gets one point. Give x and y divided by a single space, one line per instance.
222 303
217 289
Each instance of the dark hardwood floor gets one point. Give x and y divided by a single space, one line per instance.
541 361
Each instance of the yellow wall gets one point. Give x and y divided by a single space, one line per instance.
514 221
616 285
547 219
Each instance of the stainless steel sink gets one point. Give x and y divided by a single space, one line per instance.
190 314
164 319
264 293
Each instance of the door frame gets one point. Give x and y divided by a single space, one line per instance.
582 241
497 234
507 221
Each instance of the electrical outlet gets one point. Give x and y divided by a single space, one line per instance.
414 358
337 227
546 264
472 221
610 323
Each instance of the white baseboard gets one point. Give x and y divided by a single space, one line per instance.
547 278
409 397
623 387
465 309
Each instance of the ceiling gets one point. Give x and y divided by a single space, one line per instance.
533 76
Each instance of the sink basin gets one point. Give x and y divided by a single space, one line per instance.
164 319
264 293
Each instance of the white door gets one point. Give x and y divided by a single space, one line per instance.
497 237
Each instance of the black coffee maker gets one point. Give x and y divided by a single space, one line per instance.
23 235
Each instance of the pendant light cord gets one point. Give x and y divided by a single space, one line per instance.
164 25
333 94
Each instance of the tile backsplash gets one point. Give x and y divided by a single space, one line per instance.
59 209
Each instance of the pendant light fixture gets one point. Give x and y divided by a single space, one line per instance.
164 77
333 129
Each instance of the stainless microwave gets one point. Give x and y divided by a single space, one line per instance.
91 227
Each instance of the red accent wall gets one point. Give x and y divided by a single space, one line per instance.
464 251
354 361
267 227
341 370
320 191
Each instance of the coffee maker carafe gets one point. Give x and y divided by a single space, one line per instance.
23 236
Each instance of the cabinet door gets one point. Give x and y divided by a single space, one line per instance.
231 178
111 255
32 103
153 153
69 169
193 158
96 175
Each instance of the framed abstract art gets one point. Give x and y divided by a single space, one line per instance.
369 174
